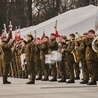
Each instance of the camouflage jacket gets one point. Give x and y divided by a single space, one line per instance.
30 51
43 50
6 50
81 51
90 54
68 55
53 45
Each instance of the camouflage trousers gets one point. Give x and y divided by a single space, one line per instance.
18 65
54 70
1 67
6 67
45 68
77 69
85 70
31 70
38 67
63 70
92 69
70 67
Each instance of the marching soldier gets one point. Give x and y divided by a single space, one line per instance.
62 48
69 59
14 60
76 64
91 57
6 57
1 70
37 60
81 55
43 52
18 62
30 58
23 64
53 45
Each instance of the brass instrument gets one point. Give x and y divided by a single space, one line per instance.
93 44
74 52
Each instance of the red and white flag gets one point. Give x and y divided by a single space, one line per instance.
17 34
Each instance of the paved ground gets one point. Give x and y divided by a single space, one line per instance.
18 89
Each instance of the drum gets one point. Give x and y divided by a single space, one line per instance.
56 56
48 59
22 57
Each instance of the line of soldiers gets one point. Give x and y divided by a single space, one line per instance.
74 51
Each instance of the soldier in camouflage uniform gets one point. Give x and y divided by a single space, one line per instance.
1 70
53 45
91 57
81 55
76 64
14 61
43 52
69 59
37 60
30 58
17 57
62 48
24 66
96 47
6 57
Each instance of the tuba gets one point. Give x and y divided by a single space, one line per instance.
93 44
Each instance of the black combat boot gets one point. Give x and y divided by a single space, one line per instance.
84 82
71 81
62 80
77 78
39 78
30 82
92 83
5 80
45 78
25 77
53 79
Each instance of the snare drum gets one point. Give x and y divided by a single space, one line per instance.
56 56
48 59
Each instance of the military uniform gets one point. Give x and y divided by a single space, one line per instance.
53 45
63 68
91 58
24 70
81 55
1 69
69 60
6 57
30 61
76 64
45 67
96 47
38 62
14 63
18 61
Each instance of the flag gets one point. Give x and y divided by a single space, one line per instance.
96 21
35 36
57 34
17 34
56 31
43 36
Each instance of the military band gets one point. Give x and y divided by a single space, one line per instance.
20 58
